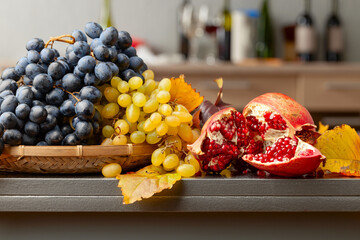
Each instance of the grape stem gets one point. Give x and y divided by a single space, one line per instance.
78 100
61 38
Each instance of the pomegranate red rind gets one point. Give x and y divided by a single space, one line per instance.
296 114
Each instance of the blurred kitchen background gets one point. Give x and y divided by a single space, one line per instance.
307 49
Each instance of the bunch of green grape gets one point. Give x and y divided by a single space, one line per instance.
138 111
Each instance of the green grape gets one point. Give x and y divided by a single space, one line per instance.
103 87
165 109
115 81
111 170
183 116
152 138
148 125
151 105
135 83
111 94
137 137
165 84
123 87
155 118
162 129
180 108
148 74
107 131
175 141
98 107
110 110
139 99
185 132
163 96
140 126
154 93
132 113
158 157
150 86
121 127
171 161
196 134
119 140
142 89
106 142
124 100
142 116
190 159
172 131
172 121
186 170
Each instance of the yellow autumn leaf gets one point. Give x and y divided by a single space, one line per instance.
341 146
322 128
145 183
183 93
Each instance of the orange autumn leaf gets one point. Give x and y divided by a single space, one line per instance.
183 93
145 183
322 128
341 147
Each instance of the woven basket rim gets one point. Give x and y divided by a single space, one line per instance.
78 151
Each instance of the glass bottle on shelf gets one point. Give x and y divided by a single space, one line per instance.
264 45
105 14
224 32
334 39
184 18
305 35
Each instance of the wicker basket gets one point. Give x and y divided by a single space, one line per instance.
73 159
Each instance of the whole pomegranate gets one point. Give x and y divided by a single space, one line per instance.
271 134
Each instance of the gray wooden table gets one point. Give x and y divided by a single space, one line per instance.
93 193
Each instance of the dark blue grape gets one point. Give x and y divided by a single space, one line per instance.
20 124
47 55
136 63
25 95
74 121
55 97
36 44
84 130
42 143
140 76
112 54
37 95
90 93
32 129
93 30
71 140
114 68
130 52
8 120
27 81
101 53
32 70
143 68
124 40
74 97
22 111
66 65
8 84
33 56
85 110
71 82
43 83
69 48
127 74
91 80
87 64
9 104
96 127
38 103
10 73
2 129
73 59
21 65
48 124
66 129
109 36
56 53
38 114
79 36
97 116
78 72
103 72
28 140
96 42
52 110
45 66
81 49
54 137
56 70
12 137
67 108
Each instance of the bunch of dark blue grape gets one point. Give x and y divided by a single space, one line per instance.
48 99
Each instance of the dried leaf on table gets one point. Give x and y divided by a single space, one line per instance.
322 128
183 93
341 146
145 183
